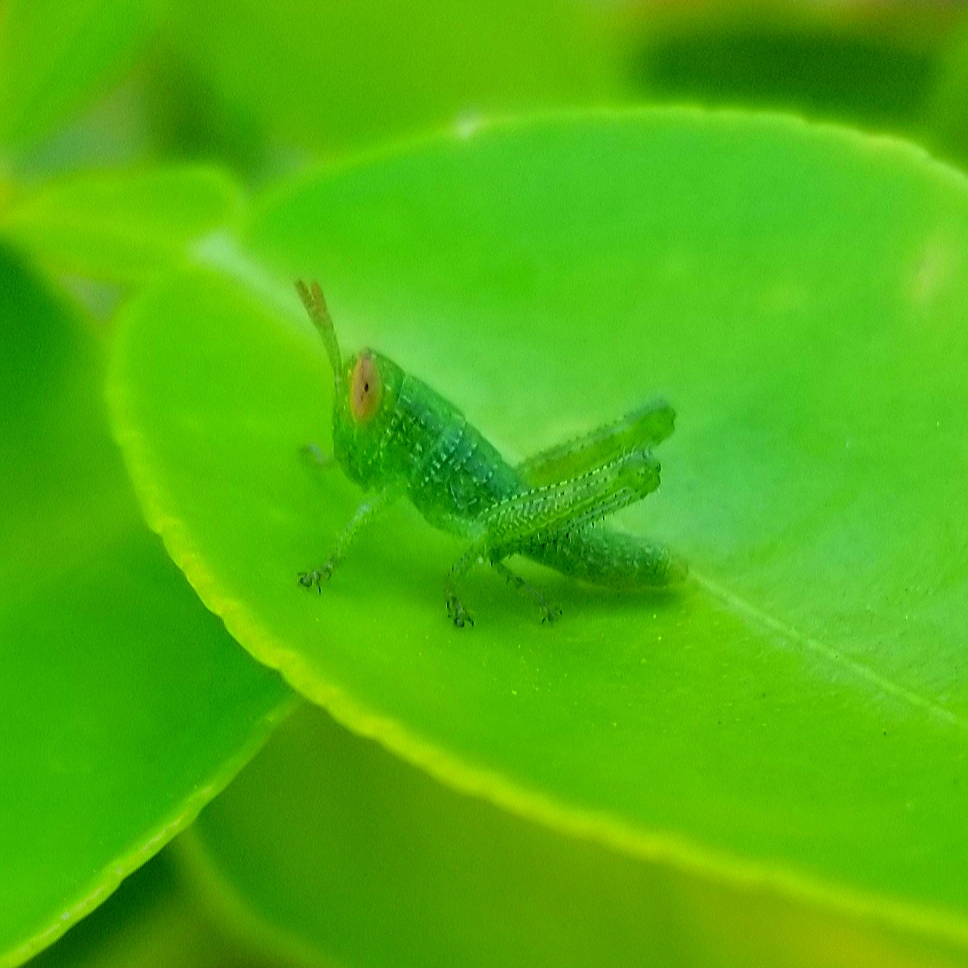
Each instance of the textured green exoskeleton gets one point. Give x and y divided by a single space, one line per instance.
394 436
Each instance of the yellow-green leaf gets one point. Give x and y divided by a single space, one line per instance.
124 705
799 714
121 226
326 844
56 56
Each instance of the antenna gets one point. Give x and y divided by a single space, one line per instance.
312 298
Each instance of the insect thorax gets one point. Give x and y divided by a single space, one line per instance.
453 472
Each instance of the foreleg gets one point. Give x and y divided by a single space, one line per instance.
314 458
364 513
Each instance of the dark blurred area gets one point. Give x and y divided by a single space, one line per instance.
886 67
853 70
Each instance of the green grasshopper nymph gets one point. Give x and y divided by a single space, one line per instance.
394 436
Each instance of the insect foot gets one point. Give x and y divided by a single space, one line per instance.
314 458
550 614
316 577
457 612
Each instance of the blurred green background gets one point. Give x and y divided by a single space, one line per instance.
128 132
268 88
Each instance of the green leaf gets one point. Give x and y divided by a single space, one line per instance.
121 226
124 705
328 845
57 56
799 714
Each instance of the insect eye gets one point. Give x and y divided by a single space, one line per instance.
366 388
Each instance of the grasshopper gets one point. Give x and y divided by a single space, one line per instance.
394 436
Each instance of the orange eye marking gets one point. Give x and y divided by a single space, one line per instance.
366 388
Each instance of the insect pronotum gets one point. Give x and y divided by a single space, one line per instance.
395 436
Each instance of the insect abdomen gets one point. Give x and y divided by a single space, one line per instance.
601 556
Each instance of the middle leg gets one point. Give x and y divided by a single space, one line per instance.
456 610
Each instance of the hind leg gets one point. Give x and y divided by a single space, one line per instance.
549 613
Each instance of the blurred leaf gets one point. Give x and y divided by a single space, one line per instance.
57 56
860 78
188 118
327 843
337 75
150 922
869 64
799 715
947 119
124 706
121 226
